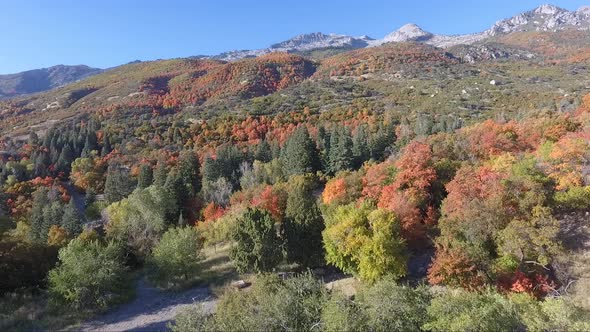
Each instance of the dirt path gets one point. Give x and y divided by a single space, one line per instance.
151 310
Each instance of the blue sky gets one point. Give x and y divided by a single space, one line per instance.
105 33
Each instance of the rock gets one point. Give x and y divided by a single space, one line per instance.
240 284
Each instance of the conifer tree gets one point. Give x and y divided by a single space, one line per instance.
145 177
299 154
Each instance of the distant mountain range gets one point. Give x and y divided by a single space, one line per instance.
544 18
39 80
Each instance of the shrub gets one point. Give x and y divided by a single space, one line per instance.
551 314
24 265
257 246
391 307
271 305
575 198
175 260
459 310
90 275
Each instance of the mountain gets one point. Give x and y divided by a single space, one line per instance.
544 18
547 18
301 43
39 80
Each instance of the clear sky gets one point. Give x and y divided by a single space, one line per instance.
106 33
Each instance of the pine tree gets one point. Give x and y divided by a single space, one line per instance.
118 184
90 197
71 220
340 155
106 147
36 220
160 174
66 157
175 186
263 152
299 154
360 146
189 172
211 171
145 177
303 223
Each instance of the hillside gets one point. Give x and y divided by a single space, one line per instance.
39 80
419 182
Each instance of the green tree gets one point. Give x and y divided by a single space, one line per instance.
257 246
364 242
145 177
38 231
189 172
118 184
460 310
89 275
271 304
71 220
299 154
388 306
160 174
340 156
176 259
141 219
360 146
263 152
65 159
303 223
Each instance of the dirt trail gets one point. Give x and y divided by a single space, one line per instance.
151 310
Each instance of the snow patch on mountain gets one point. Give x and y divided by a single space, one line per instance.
301 43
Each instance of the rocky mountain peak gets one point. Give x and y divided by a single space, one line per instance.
408 32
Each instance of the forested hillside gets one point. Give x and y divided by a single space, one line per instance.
452 185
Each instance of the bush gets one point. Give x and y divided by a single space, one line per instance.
343 314
551 314
575 198
271 305
459 310
25 265
391 307
141 219
257 246
175 261
90 275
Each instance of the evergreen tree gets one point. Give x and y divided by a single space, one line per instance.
275 149
37 231
33 139
360 146
145 177
106 147
71 220
340 155
228 160
189 172
118 184
211 171
52 215
263 152
299 154
160 174
65 159
257 244
303 223
175 186
90 197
